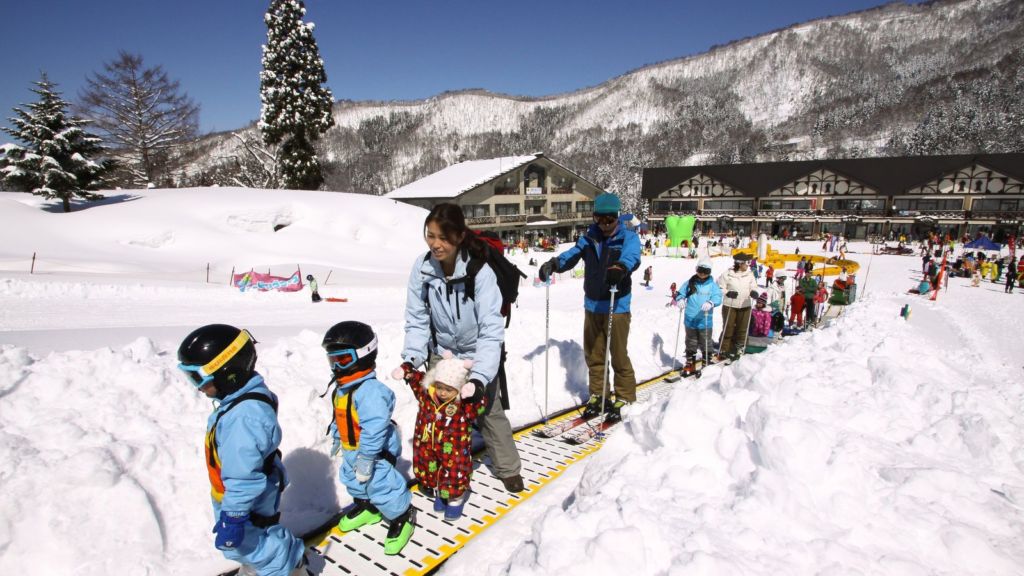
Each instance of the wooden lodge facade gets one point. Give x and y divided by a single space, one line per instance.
858 198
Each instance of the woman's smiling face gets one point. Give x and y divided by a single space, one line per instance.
442 247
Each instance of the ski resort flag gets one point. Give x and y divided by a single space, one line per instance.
255 281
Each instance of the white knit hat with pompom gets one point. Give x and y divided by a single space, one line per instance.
451 371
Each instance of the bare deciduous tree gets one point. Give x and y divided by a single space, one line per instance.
144 115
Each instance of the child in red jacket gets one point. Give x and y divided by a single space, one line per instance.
796 309
448 406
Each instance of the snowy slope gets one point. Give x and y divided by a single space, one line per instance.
874 446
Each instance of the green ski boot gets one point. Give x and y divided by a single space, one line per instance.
399 533
360 514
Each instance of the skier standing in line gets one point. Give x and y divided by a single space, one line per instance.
442 449
313 287
740 290
439 316
701 295
242 457
809 287
366 436
1010 276
610 254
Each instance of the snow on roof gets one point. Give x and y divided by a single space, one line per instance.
458 178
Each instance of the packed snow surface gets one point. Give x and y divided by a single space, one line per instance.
875 445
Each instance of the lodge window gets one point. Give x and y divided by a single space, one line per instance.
562 185
929 203
854 204
561 207
506 209
728 204
476 211
785 204
506 187
675 206
585 206
1005 204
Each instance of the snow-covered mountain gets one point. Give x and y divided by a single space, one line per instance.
940 77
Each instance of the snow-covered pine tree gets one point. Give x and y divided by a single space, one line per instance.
296 106
59 158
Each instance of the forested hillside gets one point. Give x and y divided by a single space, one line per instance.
935 78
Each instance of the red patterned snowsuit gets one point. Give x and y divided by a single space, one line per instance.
441 445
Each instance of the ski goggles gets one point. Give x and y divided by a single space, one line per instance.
200 376
345 358
605 218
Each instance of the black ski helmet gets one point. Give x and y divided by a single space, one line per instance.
351 346
309 277
218 353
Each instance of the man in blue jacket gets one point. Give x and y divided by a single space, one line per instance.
610 253
242 456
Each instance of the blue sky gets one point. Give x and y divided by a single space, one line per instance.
377 49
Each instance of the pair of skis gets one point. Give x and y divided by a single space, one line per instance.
578 429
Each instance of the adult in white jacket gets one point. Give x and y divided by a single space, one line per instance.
740 289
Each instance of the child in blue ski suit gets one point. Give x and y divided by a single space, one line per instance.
242 457
366 436
701 295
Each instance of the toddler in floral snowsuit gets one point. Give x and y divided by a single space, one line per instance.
448 406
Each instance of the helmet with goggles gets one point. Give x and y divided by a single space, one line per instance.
219 354
351 346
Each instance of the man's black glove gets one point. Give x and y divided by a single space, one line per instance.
732 294
754 294
614 275
546 269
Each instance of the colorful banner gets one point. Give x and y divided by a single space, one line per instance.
256 281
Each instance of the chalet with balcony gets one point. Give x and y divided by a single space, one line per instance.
518 197
860 197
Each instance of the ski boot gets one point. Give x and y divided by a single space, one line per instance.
360 514
615 410
453 511
690 367
593 407
399 532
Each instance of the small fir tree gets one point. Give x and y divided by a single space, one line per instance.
296 106
58 156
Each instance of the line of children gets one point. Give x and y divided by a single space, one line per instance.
245 468
244 463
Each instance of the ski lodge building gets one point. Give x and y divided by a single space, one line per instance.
857 198
517 197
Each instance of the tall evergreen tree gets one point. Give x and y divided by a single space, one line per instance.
296 106
58 159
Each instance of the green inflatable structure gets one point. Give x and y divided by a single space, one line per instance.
680 229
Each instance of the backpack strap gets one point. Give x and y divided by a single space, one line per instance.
268 462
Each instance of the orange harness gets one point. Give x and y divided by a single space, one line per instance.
213 459
345 416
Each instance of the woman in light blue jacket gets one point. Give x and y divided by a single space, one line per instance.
448 308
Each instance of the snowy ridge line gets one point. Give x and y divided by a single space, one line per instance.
435 540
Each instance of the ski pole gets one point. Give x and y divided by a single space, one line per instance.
547 340
606 385
746 331
725 326
679 327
